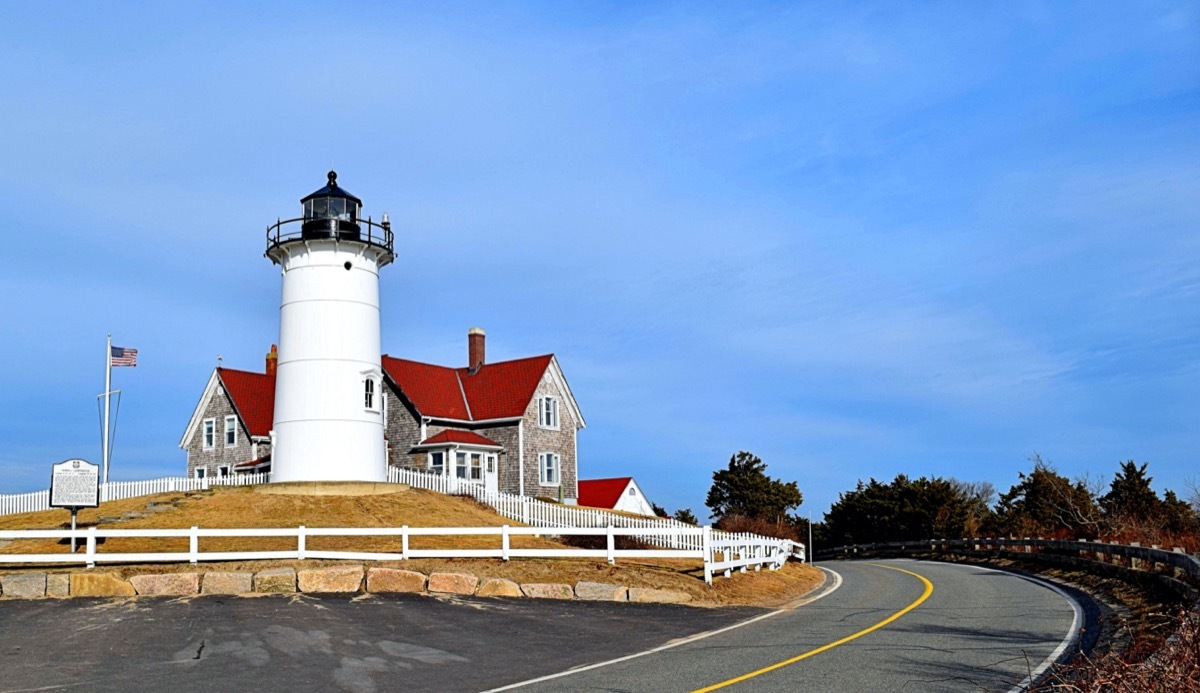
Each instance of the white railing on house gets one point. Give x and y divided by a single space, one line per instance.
734 553
118 490
539 514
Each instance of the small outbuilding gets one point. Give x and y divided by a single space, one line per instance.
619 493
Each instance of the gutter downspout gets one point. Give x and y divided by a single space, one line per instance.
521 458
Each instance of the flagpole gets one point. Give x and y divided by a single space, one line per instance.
107 396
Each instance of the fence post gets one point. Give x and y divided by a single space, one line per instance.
194 545
301 542
504 542
706 544
611 545
404 542
524 510
91 547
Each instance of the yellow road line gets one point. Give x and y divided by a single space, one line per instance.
843 641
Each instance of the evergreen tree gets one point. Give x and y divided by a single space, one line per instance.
744 489
1130 496
1045 503
685 515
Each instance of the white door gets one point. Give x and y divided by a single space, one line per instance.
490 474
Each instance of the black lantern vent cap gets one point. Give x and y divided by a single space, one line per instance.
331 190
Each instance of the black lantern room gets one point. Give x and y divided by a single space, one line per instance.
331 213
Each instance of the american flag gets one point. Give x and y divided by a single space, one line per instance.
124 357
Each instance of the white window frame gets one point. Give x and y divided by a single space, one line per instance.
370 394
440 469
200 472
548 412
461 465
209 434
549 469
230 427
475 466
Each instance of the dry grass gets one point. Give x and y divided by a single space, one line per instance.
232 507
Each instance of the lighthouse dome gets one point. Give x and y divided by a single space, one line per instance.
331 212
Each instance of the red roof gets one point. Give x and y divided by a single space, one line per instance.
496 391
602 493
253 396
456 436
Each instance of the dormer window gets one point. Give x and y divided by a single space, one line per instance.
548 412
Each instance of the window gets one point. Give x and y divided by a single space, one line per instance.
476 466
437 462
548 412
460 465
548 469
201 472
210 433
369 393
632 491
223 470
230 431
491 464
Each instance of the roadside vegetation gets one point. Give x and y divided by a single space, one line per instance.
1155 647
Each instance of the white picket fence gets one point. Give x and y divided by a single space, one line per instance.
539 514
722 552
734 553
118 490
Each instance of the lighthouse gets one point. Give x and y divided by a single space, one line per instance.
329 405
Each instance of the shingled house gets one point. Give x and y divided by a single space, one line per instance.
511 426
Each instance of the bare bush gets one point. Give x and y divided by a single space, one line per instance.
779 528
1164 659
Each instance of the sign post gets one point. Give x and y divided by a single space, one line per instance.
75 484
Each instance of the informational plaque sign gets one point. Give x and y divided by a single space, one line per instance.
75 484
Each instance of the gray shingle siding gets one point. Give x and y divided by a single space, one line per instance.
404 431
218 455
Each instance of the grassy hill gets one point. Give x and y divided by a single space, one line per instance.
232 507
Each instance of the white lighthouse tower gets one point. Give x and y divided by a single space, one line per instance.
329 419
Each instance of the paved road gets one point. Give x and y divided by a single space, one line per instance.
977 630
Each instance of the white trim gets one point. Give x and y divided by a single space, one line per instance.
455 443
561 380
429 461
521 457
548 422
200 473
205 444
482 423
227 428
198 413
542 478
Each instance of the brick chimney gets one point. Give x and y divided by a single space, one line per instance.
475 358
272 360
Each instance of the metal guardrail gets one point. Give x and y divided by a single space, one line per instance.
1175 568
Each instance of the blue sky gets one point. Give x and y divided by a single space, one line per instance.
854 239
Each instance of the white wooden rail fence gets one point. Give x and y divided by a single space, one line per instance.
118 490
722 552
735 553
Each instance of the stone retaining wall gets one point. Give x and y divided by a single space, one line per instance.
323 580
